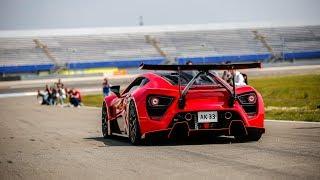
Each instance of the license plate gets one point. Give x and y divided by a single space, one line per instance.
207 116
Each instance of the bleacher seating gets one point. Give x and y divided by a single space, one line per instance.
126 47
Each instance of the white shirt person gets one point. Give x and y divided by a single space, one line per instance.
239 79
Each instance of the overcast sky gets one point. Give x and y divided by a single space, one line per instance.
47 14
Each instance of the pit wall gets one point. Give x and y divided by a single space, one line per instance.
127 63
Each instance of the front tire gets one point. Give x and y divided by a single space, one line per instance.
134 128
104 122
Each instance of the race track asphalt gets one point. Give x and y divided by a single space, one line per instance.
40 142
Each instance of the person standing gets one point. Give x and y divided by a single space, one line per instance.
233 75
59 84
61 95
105 87
238 78
227 76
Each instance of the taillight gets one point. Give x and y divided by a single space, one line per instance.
154 101
252 99
249 103
249 98
157 105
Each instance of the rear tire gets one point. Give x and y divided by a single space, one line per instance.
104 122
134 128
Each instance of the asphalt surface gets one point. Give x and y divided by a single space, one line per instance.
41 142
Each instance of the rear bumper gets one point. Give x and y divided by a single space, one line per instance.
173 115
184 128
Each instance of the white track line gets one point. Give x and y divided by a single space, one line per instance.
8 95
290 121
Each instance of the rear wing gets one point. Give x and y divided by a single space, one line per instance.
201 67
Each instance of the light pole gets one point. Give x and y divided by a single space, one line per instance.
141 21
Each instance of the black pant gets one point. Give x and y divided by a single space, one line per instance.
75 101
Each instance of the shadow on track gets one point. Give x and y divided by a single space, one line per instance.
111 141
194 140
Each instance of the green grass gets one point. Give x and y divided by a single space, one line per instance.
294 115
285 97
300 91
93 100
289 91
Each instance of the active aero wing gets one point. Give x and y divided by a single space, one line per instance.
201 67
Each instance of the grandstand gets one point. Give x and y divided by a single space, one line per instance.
107 48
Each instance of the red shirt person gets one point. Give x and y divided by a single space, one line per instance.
75 97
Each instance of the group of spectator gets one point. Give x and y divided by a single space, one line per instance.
58 95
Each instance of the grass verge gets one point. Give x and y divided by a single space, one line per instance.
290 97
94 100
285 97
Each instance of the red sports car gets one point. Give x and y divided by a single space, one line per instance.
184 100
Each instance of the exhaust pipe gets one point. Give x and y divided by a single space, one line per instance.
228 115
188 116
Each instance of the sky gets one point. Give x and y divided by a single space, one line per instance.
54 14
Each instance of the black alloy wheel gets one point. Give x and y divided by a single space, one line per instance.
134 129
104 123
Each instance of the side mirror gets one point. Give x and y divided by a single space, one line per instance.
116 90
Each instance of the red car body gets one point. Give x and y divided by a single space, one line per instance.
152 101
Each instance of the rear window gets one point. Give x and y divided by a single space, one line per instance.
186 78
